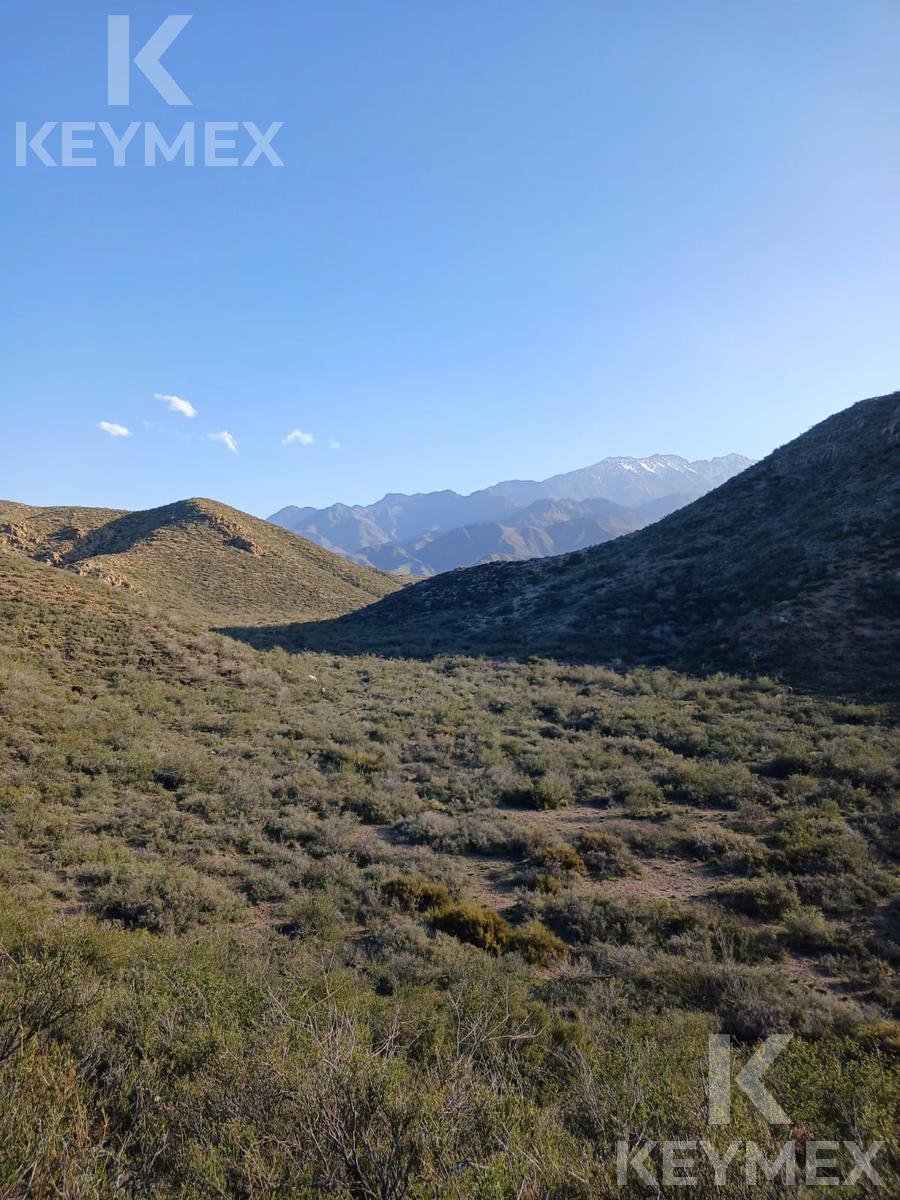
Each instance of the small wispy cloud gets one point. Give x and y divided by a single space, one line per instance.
225 438
176 404
113 429
334 444
299 438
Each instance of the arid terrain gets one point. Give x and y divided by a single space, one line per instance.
287 921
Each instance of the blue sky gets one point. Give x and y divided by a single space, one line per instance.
510 237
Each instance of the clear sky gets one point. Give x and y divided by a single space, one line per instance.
510 237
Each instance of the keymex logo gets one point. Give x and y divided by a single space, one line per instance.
743 1164
143 143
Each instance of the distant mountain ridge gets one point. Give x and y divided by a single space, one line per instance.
430 532
792 566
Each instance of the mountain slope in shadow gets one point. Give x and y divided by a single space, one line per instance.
793 567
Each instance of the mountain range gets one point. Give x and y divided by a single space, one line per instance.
427 533
791 566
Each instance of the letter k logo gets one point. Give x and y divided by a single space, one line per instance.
146 60
749 1079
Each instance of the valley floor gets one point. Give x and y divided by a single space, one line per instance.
305 925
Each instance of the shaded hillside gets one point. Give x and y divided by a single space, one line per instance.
389 533
792 566
198 556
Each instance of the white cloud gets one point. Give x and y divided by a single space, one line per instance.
298 436
225 438
176 404
334 444
114 430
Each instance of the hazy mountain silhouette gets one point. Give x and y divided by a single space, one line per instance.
502 522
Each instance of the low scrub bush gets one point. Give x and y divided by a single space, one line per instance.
806 929
766 898
606 855
162 898
709 783
551 790
819 845
556 858
415 893
535 943
472 923
586 916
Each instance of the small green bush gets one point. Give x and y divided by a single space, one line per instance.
557 858
552 790
766 898
606 855
535 943
162 898
819 845
807 929
415 893
471 923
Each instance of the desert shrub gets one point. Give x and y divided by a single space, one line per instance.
724 938
483 832
586 915
261 886
472 923
766 898
552 790
755 1003
382 801
711 784
806 929
312 914
415 893
860 762
811 843
634 789
557 858
192 767
737 853
543 882
161 898
843 895
535 943
606 855
792 758
436 829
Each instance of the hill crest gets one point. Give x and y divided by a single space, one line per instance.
198 555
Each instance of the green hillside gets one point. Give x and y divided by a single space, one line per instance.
196 556
280 925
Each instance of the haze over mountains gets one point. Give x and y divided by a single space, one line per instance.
793 566
431 532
